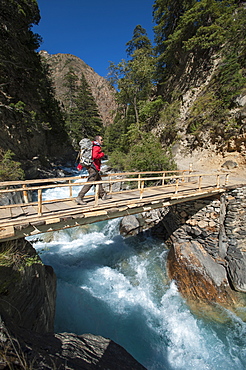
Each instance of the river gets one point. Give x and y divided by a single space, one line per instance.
118 288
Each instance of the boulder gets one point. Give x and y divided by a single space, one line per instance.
64 351
229 164
129 225
28 287
200 279
236 267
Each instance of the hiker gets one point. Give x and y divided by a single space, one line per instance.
94 172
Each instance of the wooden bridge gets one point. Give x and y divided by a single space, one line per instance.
132 193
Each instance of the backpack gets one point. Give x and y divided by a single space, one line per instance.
85 154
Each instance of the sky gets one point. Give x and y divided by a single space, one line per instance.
96 31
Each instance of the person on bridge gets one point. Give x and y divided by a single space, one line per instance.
94 172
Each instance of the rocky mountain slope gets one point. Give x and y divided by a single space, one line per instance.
101 90
209 145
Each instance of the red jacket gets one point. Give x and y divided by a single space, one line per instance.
97 154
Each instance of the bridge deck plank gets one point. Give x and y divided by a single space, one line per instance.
5 213
56 207
30 210
16 212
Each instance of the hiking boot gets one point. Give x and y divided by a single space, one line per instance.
80 201
106 196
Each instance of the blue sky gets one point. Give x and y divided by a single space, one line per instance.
94 30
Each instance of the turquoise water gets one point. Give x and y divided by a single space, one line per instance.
118 288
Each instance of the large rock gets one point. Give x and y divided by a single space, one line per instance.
129 225
200 279
236 267
28 288
25 349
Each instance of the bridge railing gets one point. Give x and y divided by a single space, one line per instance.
159 178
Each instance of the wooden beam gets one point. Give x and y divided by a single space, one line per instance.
8 231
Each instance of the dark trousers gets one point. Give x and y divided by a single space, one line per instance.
94 175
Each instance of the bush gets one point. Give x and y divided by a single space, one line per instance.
9 169
145 155
117 160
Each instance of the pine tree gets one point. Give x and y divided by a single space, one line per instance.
135 148
84 119
166 15
189 26
29 112
139 41
134 78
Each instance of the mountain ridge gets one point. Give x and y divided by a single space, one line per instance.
101 89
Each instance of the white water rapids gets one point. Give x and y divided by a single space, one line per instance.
118 288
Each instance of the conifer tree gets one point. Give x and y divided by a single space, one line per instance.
29 111
134 78
136 148
83 118
139 41
191 34
189 26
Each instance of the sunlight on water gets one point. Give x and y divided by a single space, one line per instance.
118 288
64 191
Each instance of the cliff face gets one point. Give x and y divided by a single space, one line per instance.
101 90
206 102
31 123
28 288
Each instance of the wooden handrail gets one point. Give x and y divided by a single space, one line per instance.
63 179
141 181
33 188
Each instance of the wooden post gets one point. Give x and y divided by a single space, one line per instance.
190 171
163 179
199 183
139 182
40 202
96 194
110 185
218 181
141 189
227 179
176 186
70 189
25 194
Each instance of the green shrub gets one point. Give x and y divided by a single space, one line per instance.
145 155
9 169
